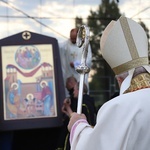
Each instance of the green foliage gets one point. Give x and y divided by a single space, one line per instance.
103 79
97 21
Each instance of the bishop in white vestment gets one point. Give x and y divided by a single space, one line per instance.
123 123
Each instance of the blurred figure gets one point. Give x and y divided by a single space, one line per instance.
69 106
88 106
70 83
71 57
123 123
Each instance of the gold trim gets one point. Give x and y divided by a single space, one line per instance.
129 38
141 81
131 64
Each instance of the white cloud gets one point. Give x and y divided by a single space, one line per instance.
60 15
135 9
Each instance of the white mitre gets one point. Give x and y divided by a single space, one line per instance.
124 45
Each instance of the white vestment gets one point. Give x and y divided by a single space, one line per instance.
70 52
123 123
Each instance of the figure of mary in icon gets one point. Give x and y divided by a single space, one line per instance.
46 98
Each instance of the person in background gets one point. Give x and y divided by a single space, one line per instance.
70 83
123 123
71 57
63 135
69 106
88 105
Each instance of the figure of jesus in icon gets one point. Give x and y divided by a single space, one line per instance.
30 103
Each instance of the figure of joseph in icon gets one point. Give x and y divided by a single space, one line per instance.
13 100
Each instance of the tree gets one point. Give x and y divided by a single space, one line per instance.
97 22
148 36
103 79
78 22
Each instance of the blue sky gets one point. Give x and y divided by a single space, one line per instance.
58 16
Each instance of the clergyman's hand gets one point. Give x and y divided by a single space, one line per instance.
75 117
66 107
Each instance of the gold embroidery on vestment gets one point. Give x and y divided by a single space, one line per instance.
140 81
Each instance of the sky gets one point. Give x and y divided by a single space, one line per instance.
56 18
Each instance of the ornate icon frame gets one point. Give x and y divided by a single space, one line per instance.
30 82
